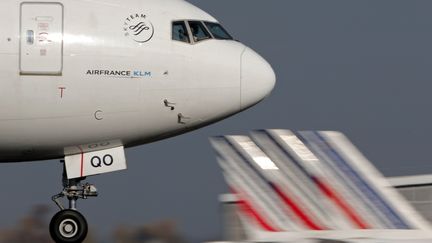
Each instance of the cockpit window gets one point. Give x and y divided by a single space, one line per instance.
179 32
198 30
218 31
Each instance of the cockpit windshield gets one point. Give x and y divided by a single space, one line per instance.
194 31
218 31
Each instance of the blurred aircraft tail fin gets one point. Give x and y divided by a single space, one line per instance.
308 181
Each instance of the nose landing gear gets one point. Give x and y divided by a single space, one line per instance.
68 225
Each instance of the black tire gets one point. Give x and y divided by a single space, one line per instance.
68 226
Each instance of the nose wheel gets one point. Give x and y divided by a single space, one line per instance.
69 225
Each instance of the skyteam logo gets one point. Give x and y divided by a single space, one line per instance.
138 28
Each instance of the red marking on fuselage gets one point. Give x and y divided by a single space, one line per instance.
82 160
62 89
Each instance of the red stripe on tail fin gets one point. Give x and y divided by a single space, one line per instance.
349 212
307 221
249 211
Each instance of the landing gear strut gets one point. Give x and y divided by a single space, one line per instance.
68 225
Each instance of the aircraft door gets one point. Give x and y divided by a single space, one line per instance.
41 42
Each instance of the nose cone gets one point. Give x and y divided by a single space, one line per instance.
257 78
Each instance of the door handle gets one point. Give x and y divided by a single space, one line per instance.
30 37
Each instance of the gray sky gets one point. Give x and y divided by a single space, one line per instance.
360 67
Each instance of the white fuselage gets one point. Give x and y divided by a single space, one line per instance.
106 85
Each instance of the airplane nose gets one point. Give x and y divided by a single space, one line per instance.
257 78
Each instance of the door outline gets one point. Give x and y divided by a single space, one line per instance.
29 73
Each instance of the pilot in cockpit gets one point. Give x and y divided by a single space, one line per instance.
182 35
194 31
